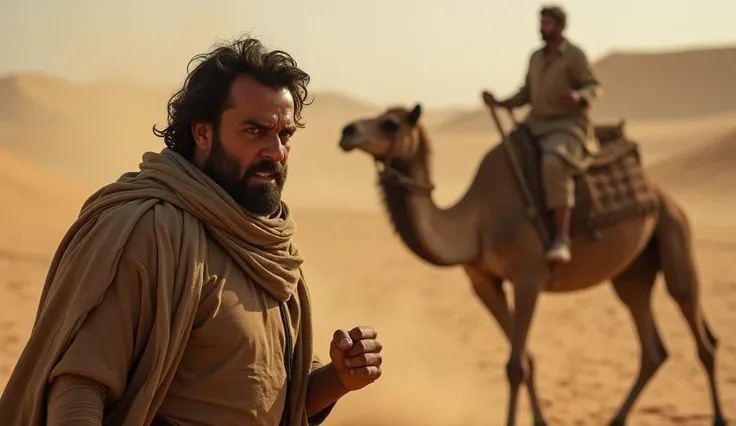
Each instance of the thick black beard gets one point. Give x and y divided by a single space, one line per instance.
261 200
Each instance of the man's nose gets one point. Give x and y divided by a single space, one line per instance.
275 150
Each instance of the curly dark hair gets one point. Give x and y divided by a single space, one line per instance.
206 90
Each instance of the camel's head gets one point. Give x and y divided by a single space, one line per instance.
393 134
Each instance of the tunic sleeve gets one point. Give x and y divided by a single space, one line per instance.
105 345
588 85
321 417
523 95
520 98
75 400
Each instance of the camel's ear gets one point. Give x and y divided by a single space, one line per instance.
414 114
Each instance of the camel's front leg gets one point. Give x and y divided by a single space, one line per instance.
491 293
527 287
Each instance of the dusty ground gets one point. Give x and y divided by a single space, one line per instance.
444 356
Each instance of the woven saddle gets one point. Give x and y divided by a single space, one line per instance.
613 189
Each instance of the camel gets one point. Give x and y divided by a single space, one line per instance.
487 233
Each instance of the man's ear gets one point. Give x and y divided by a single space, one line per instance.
202 133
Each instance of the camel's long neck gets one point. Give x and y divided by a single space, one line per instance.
442 237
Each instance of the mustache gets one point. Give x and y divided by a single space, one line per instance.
265 166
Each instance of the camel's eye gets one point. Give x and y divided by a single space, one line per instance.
389 125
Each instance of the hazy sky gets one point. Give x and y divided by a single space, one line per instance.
434 51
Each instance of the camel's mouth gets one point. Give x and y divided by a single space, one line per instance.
355 137
352 142
348 144
349 139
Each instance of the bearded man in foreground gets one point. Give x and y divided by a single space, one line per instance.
177 297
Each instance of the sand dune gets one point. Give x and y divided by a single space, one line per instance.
81 132
661 139
667 85
444 354
710 170
34 204
478 121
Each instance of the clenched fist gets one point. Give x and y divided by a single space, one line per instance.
356 356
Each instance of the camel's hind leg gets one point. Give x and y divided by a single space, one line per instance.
680 273
634 288
491 293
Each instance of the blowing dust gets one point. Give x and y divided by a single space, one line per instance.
428 378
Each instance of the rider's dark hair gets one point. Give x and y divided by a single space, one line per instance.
556 13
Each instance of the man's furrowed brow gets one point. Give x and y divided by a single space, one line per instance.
291 129
256 123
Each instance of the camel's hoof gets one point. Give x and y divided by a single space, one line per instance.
720 422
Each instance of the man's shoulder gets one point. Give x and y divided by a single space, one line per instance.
539 50
146 226
574 48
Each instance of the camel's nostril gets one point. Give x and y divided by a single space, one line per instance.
349 130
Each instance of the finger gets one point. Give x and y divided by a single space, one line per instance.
363 332
364 346
371 372
364 360
341 339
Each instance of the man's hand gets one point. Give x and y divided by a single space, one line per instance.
356 363
570 99
356 357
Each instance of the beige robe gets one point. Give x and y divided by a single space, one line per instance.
167 293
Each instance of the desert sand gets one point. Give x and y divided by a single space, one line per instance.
444 355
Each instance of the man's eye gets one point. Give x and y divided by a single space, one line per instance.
252 130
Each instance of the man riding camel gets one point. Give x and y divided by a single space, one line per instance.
561 86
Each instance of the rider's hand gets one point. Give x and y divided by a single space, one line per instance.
489 99
571 99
